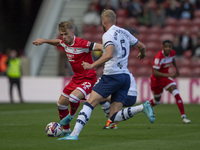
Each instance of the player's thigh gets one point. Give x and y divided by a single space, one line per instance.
63 100
130 101
157 92
171 88
94 98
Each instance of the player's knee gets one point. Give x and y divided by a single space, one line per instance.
73 99
174 92
156 100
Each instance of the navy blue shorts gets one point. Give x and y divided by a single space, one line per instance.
130 101
115 85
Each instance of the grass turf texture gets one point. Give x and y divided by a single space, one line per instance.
22 127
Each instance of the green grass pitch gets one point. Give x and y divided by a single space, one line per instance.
22 127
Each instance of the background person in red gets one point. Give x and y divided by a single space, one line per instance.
162 79
77 51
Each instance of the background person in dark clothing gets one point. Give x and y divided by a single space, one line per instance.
13 73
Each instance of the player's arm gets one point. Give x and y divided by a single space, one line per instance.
98 47
104 58
157 73
142 49
176 67
54 42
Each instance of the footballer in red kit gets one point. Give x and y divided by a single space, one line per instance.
162 79
78 51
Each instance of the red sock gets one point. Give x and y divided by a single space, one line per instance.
74 107
179 103
152 102
63 113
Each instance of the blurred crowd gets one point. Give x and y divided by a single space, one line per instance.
153 21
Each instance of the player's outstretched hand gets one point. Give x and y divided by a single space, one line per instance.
38 42
86 65
141 55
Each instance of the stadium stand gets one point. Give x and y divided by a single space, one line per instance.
152 37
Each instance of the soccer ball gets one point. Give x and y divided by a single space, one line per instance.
53 129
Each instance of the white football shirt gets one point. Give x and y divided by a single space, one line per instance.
133 87
121 39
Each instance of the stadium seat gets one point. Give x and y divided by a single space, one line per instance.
196 72
169 30
99 29
154 45
185 71
144 71
88 36
194 29
171 21
180 30
196 22
143 29
133 21
89 29
132 61
142 37
121 21
153 37
155 30
197 14
166 37
187 54
184 22
185 62
122 13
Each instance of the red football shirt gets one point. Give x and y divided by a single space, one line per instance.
78 52
162 63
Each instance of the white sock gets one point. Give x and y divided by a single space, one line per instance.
66 130
127 113
106 108
82 119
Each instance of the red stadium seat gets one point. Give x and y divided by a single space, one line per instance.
132 21
88 36
121 21
153 46
171 21
196 22
155 30
144 71
180 30
197 14
196 72
184 22
187 54
122 13
153 37
185 62
169 30
143 29
166 37
185 71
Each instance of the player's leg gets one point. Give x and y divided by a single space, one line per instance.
76 95
174 91
74 101
105 106
129 112
63 111
84 115
157 93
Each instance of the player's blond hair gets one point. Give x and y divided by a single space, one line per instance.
110 14
65 25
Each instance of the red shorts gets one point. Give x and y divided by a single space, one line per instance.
158 84
85 86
